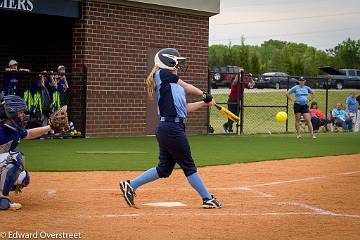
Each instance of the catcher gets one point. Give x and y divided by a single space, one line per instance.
13 176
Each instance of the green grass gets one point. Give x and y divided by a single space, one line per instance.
63 154
262 120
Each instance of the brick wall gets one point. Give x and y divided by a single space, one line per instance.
112 41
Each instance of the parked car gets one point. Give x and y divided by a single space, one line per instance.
339 79
275 80
223 76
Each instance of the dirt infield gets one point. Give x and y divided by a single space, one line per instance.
317 198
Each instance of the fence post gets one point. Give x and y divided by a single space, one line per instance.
287 106
327 96
241 102
238 76
208 109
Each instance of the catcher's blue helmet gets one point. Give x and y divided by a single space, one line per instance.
12 105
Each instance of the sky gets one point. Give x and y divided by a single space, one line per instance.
319 23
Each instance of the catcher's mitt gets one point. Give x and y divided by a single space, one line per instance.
59 121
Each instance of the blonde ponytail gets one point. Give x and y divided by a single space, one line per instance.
150 81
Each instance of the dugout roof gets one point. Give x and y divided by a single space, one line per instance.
198 7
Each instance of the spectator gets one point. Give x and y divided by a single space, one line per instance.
11 78
51 85
357 121
301 106
38 101
351 106
45 96
318 118
235 97
341 118
62 84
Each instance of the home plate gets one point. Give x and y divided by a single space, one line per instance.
166 204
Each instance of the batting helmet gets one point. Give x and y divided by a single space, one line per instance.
168 58
12 105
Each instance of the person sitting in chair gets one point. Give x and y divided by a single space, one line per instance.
318 118
341 118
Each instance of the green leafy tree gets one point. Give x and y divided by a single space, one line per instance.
255 63
241 56
277 63
217 55
292 58
298 67
347 54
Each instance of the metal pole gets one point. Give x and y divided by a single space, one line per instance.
208 109
327 97
287 107
238 76
241 102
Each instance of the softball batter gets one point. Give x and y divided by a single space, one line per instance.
170 133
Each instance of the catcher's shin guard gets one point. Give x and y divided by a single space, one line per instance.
22 181
9 174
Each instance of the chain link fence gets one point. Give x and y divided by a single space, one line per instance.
257 106
43 98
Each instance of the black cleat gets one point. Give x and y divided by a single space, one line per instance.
128 193
211 203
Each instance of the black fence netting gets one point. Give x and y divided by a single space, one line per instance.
257 104
45 92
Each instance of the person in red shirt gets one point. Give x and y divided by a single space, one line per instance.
235 95
318 118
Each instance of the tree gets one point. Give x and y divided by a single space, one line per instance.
217 54
241 56
277 63
298 67
292 58
255 63
347 54
229 58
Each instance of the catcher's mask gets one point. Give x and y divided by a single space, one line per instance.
170 58
12 105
